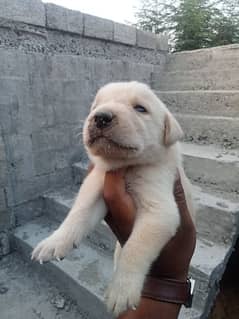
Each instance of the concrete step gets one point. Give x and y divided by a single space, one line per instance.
205 79
79 171
213 166
202 129
204 164
83 274
222 213
213 103
56 206
218 57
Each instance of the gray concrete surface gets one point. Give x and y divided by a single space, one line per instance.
202 129
212 103
24 294
124 34
28 11
35 13
206 165
205 59
37 92
207 264
96 27
84 273
213 166
204 79
60 18
213 247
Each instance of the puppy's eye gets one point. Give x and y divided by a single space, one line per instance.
140 108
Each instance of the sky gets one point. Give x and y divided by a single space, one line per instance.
116 10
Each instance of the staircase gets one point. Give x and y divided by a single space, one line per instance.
200 88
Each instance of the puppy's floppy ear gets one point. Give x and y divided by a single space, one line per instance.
172 130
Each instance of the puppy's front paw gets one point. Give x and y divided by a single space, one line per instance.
123 293
55 246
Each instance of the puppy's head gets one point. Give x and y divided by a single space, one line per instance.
128 122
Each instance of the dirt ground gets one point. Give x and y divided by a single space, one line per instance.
227 303
25 295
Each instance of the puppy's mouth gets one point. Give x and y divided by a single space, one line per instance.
103 140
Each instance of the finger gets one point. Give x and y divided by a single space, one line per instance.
118 173
179 191
114 184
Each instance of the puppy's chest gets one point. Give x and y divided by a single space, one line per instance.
144 187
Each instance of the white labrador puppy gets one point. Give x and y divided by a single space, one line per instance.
128 126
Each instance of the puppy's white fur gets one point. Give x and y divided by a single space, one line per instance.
146 143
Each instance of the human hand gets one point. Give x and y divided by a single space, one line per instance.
174 259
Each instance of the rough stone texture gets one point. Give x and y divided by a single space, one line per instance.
211 207
124 34
32 39
63 19
200 87
207 266
162 42
79 171
84 274
28 11
3 167
213 166
36 93
214 103
146 39
36 298
205 79
36 19
222 131
4 244
205 59
98 28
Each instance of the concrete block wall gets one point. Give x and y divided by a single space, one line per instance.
52 61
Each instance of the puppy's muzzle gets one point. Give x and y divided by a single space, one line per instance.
103 119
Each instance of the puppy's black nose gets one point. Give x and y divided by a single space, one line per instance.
103 119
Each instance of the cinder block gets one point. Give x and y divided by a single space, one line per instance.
28 11
3 173
146 40
162 42
56 138
124 34
4 243
2 149
64 19
3 204
27 190
96 27
214 79
210 59
44 161
13 63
